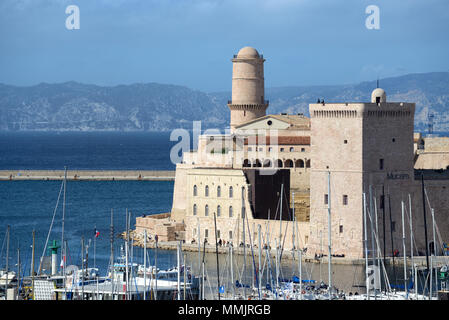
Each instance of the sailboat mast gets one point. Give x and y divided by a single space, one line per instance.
145 265
377 231
371 218
216 253
432 257
155 266
403 249
232 271
178 256
365 240
7 260
63 253
82 267
260 257
415 279
293 225
244 243
202 268
411 238
112 253
391 236
18 271
425 222
199 257
185 275
32 263
199 246
126 256
434 246
95 246
329 232
384 222
277 267
295 222
280 216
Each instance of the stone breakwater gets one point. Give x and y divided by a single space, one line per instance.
148 175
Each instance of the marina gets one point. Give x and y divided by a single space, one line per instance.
249 273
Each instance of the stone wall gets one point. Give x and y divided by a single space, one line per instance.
161 225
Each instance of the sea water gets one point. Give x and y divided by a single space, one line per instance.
30 205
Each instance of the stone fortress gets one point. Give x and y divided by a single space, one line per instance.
283 174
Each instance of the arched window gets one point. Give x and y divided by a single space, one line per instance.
218 211
218 192
246 163
257 163
194 209
279 163
230 212
231 192
195 191
292 149
206 191
299 163
288 163
206 210
267 163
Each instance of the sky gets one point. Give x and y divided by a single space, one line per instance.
192 42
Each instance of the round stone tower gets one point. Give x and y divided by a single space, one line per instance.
248 92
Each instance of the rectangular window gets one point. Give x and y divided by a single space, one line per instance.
206 233
393 226
230 235
303 149
250 149
381 164
345 199
326 198
218 234
306 239
282 149
341 229
382 201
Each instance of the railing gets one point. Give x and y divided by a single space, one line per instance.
260 56
263 102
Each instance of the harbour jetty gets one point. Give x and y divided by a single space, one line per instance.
148 175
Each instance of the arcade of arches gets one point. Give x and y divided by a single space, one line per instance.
278 163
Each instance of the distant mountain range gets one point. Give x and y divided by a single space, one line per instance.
73 106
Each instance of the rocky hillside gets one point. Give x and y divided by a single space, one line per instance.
158 107
75 106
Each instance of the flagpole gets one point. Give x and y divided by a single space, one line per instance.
95 245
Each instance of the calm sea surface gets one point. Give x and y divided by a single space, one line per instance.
29 205
86 150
